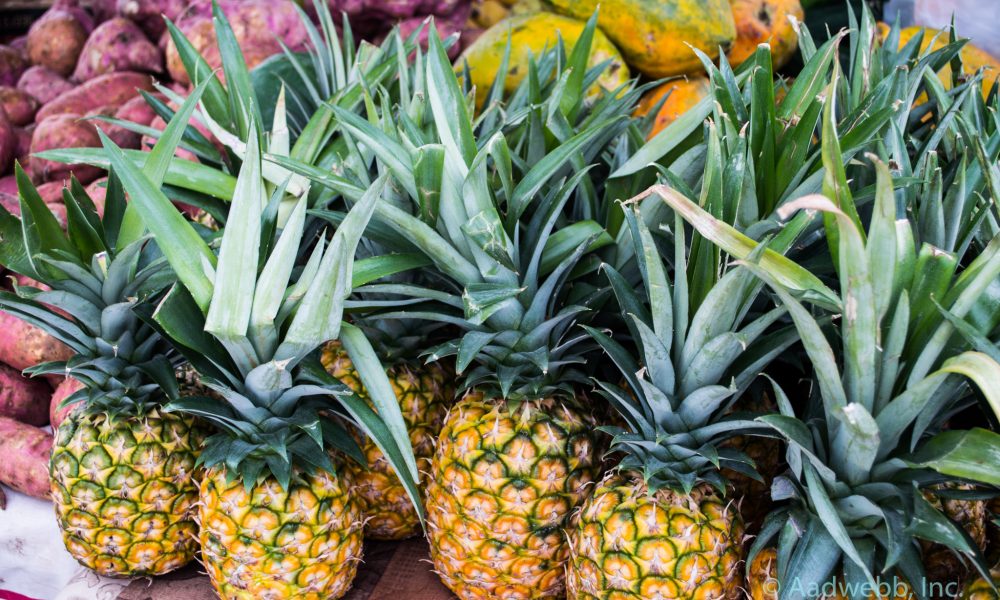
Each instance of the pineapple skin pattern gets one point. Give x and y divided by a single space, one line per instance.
125 491
271 543
423 399
629 544
762 582
503 484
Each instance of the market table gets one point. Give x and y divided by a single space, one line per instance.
34 563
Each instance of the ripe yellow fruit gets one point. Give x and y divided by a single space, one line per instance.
125 491
654 36
684 94
504 481
632 544
530 35
424 394
303 543
760 21
763 583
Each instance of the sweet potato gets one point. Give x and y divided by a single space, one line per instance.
137 110
23 142
12 64
20 44
25 345
117 45
12 204
160 124
8 185
25 464
19 105
22 398
256 24
63 391
113 89
43 83
99 10
55 41
148 14
63 131
98 191
8 143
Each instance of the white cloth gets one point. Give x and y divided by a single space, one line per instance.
33 560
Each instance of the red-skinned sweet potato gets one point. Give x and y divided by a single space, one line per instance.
13 63
23 142
137 110
55 41
19 105
8 143
25 450
8 185
113 89
256 24
67 387
12 204
44 84
98 191
63 131
149 14
26 345
23 399
117 45
99 10
121 136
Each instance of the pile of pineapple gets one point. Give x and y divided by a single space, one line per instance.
753 356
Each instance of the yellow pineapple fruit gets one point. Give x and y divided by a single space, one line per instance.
423 394
268 542
504 481
630 543
125 491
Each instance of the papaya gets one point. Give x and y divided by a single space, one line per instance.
487 13
765 21
529 36
654 35
973 58
684 94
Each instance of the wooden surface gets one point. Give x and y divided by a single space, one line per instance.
391 571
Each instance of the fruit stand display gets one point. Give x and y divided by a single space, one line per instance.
497 299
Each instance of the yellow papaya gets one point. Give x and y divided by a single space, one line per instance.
487 13
684 94
529 35
973 58
760 21
654 35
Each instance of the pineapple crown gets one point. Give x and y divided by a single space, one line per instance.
909 315
875 437
483 199
691 364
249 326
92 278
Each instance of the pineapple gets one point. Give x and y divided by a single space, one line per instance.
754 493
874 427
424 393
278 517
983 588
503 480
488 203
664 524
123 472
